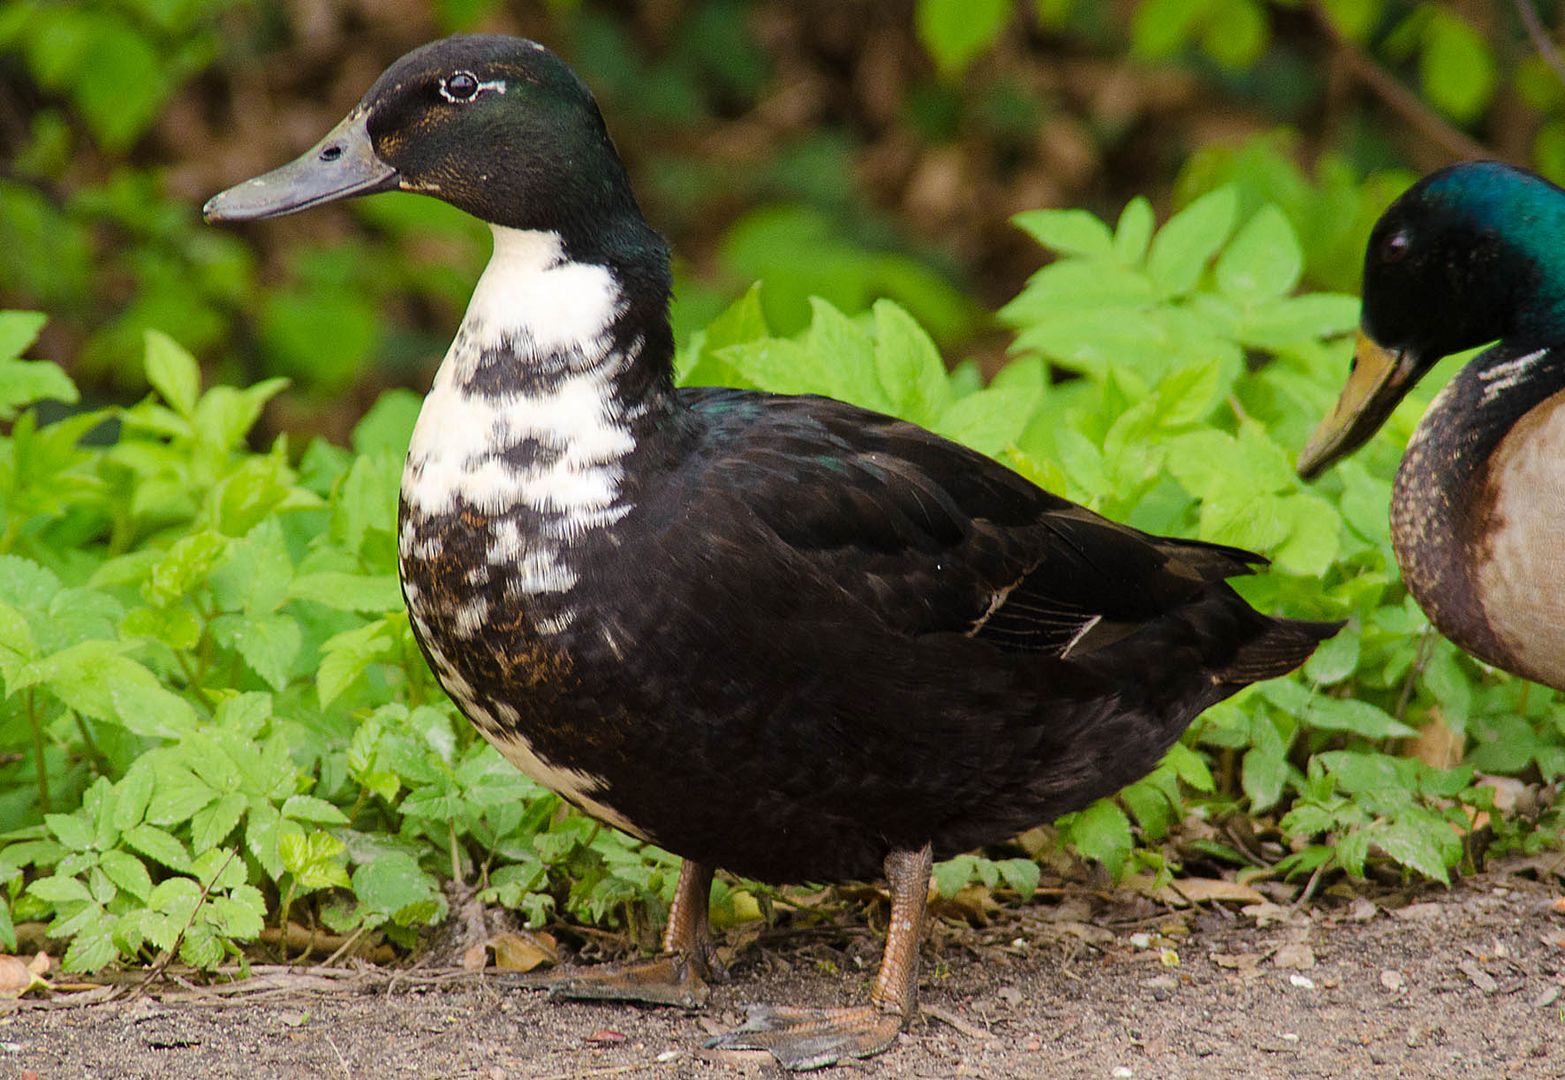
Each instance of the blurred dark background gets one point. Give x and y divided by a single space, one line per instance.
846 148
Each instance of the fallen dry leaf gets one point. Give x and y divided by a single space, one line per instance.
524 951
1246 964
1216 890
18 978
606 1035
1295 955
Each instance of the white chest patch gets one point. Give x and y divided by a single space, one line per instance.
524 412
1522 579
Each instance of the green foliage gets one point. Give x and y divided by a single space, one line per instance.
1198 369
215 714
215 717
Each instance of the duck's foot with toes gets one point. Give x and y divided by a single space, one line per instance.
680 977
802 1039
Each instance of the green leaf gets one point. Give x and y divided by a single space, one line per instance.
1413 845
173 373
92 947
23 382
951 877
1456 66
128 872
1102 832
1020 874
955 31
1134 231
309 808
1189 767
393 882
313 860
1262 776
348 655
60 890
157 844
1069 232
213 823
349 592
388 425
1356 717
150 710
72 830
909 365
1264 260
18 331
1186 243
268 643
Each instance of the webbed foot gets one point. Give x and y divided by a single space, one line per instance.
805 1039
679 977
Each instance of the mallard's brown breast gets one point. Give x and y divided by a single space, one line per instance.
1519 562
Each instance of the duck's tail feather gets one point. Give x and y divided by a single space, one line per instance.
1282 646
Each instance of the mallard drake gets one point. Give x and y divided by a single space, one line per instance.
780 635
1471 254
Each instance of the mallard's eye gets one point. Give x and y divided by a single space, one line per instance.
1394 248
463 86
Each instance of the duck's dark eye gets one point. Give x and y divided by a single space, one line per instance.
1394 247
463 86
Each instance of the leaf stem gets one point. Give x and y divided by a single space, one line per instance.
38 761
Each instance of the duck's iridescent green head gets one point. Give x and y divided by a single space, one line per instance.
1470 254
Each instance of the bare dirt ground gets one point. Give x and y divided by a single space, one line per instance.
1467 982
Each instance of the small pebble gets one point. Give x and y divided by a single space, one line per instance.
1033 1045
667 1056
1549 996
1303 982
1289 1036
1392 980
1141 940
1122 1072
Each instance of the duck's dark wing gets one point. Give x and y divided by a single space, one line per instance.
931 536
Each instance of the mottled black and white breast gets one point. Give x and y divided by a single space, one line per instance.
517 458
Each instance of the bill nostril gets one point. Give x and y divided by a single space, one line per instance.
331 153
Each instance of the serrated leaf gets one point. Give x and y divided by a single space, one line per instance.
1413 846
92 947
268 643
60 890
392 882
309 808
1102 832
213 823
150 710
1020 874
128 872
157 844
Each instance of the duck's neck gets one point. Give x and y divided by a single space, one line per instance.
1443 497
560 366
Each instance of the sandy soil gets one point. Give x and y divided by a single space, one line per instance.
1460 983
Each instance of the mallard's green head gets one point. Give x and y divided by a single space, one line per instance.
1470 254
496 126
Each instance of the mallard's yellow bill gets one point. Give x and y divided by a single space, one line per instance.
1377 382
